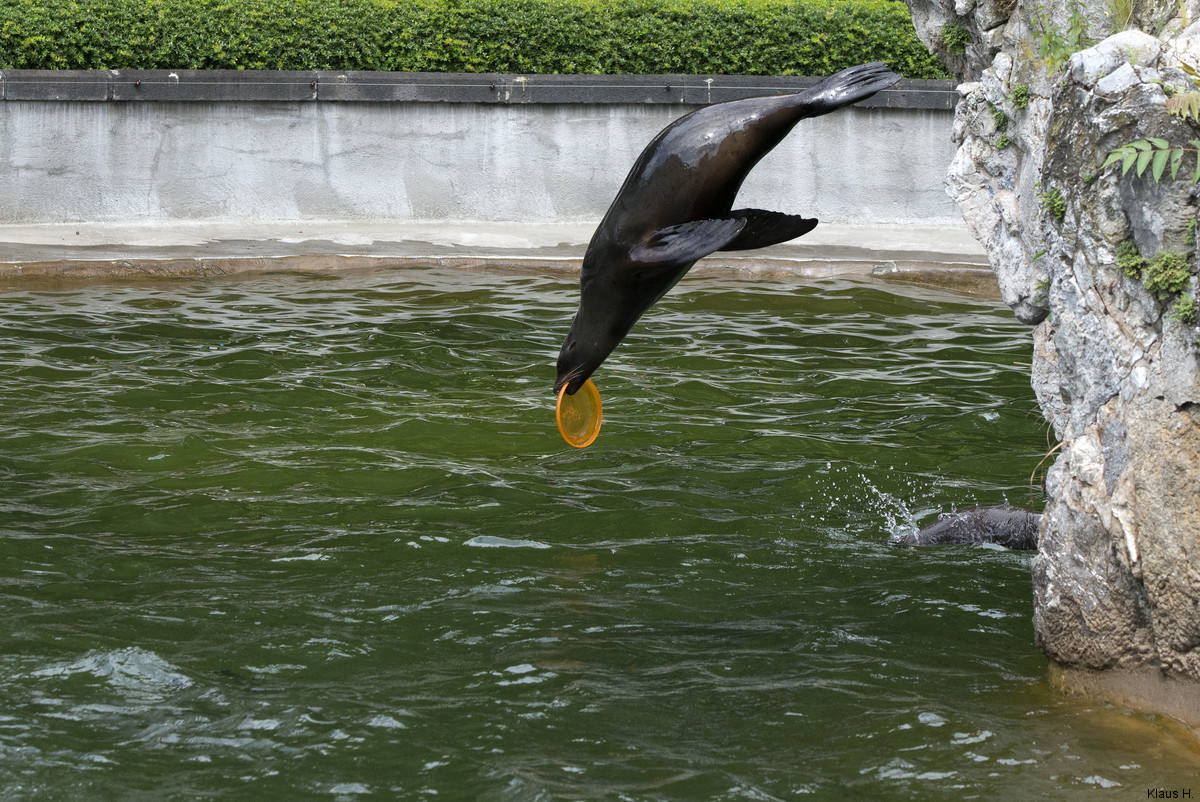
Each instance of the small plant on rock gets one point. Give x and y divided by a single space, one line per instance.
999 118
1041 290
1120 14
955 37
1053 202
1167 274
1184 310
1018 96
1000 123
1056 46
1129 261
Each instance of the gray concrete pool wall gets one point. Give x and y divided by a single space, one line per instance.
161 146
197 173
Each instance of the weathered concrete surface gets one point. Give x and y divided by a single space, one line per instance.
152 147
258 162
1117 373
159 172
945 255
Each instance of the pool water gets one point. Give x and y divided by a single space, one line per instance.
316 536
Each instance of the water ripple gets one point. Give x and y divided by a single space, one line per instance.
316 536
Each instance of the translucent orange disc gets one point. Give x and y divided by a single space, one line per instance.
579 415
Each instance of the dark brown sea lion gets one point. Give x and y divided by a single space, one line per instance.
1003 525
676 206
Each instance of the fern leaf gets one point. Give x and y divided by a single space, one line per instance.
1184 105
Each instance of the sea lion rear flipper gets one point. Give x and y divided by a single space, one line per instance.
848 86
765 228
688 241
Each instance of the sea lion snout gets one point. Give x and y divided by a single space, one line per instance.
579 358
576 363
602 321
568 371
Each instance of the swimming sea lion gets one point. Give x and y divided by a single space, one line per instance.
1003 525
676 205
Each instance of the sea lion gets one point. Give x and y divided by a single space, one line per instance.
676 206
1003 525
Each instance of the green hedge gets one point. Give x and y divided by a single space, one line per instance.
758 37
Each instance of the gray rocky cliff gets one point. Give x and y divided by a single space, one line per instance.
1049 90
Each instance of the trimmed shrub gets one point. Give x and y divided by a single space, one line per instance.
753 37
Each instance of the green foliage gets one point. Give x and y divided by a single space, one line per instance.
1129 260
761 37
1167 274
1120 13
999 118
955 37
1041 290
1000 121
1153 153
1018 96
1056 46
1054 203
1184 310
1156 153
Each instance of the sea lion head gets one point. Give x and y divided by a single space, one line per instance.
599 327
610 301
579 357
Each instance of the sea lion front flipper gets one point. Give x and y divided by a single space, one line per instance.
765 228
688 241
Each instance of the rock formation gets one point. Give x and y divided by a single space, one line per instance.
1103 262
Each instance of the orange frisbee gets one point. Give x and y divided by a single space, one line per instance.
579 415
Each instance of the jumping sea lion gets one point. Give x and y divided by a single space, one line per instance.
1003 525
676 206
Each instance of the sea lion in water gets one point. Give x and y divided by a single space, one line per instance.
1003 525
676 206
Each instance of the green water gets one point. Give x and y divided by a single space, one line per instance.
317 537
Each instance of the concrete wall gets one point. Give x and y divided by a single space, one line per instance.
258 147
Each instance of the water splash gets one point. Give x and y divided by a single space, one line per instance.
138 675
894 513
